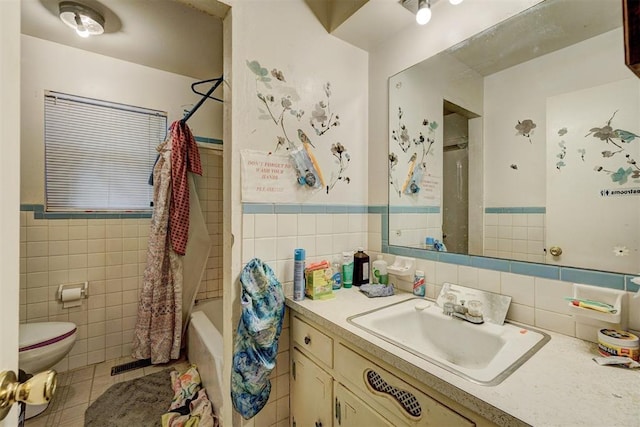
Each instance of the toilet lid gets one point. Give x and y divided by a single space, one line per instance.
35 335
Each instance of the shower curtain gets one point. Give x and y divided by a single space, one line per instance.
158 331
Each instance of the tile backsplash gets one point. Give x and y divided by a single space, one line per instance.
109 253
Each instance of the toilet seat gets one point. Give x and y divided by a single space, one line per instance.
42 334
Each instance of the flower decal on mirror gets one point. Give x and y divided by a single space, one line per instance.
525 128
419 147
621 139
620 251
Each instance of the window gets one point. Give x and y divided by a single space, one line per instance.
99 155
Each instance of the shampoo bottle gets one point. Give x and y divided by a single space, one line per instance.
360 268
347 269
379 271
336 279
298 274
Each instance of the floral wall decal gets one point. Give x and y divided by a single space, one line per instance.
417 166
621 139
525 128
284 111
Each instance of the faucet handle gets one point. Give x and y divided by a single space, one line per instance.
475 308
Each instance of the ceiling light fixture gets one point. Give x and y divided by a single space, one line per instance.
424 12
84 20
454 2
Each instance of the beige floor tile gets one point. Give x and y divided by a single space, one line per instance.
82 374
100 385
104 368
73 413
76 422
78 394
41 420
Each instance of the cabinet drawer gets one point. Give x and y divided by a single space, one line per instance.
315 342
391 395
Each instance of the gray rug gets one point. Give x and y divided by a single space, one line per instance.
139 402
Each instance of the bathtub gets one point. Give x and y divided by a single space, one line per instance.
204 347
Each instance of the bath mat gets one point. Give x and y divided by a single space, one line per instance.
139 402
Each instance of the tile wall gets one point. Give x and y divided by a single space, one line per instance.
411 229
271 233
518 236
110 253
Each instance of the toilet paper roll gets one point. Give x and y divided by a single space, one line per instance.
71 297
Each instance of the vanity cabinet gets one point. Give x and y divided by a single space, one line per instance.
334 384
310 389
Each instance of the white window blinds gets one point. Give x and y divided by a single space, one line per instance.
99 155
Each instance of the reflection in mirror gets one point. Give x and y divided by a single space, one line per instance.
520 140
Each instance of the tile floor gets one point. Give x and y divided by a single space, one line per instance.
77 389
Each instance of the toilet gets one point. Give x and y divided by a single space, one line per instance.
42 345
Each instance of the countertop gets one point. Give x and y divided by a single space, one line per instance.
560 385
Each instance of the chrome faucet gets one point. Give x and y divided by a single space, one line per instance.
472 314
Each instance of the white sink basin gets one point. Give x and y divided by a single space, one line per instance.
485 353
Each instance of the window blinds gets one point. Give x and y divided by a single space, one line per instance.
99 155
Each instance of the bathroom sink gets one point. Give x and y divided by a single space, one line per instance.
484 353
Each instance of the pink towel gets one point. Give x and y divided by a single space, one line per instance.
185 157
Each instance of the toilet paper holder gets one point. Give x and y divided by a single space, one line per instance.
84 292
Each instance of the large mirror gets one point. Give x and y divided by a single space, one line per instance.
521 143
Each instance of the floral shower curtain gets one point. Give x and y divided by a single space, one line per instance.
158 331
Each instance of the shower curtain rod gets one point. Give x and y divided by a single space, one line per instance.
216 82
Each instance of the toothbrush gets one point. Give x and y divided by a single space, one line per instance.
593 305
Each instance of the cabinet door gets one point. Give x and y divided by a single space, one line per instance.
350 411
310 393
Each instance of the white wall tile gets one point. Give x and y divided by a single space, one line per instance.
489 280
324 224
550 294
306 224
521 313
287 225
265 226
446 273
519 287
560 323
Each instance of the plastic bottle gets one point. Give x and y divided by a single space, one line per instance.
429 243
347 269
360 268
336 279
379 271
419 288
298 274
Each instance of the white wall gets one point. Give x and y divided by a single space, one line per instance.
51 66
450 25
285 35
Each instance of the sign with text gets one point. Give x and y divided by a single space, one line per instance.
268 177
620 192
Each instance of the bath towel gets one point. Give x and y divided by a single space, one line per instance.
255 345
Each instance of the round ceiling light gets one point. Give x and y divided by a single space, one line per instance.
84 20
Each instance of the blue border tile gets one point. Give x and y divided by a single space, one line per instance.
591 277
287 209
379 209
414 209
490 263
537 270
451 258
631 287
206 140
313 209
257 208
337 209
358 209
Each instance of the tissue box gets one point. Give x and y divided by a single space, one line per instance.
317 284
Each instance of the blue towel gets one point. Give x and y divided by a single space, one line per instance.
255 345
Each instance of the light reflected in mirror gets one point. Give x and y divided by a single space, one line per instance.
521 143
